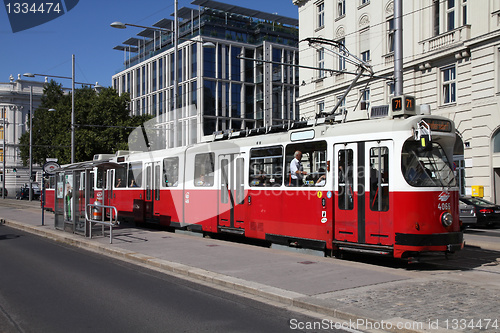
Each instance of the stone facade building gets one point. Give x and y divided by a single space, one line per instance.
451 61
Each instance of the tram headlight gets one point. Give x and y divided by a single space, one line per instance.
446 219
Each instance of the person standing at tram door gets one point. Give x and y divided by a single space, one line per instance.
296 170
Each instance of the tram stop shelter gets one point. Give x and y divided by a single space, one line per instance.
78 205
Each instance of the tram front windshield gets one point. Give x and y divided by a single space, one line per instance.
426 167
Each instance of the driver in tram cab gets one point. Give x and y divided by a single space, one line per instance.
296 169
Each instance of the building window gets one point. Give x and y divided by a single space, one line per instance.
341 109
449 85
321 62
464 12
450 15
435 13
321 15
391 87
496 142
342 52
498 70
365 99
340 8
364 45
321 107
160 73
390 35
194 60
365 56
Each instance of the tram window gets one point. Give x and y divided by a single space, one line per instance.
135 174
224 179
426 167
345 179
379 179
170 172
92 182
240 176
101 178
266 166
204 169
313 163
121 176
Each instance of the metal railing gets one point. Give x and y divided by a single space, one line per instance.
97 214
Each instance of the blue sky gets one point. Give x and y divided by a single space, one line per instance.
85 32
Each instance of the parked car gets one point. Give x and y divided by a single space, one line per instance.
467 215
23 192
487 213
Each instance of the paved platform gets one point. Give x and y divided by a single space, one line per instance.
385 296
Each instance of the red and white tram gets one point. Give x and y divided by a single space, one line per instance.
387 188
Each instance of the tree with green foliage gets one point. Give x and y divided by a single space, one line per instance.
102 124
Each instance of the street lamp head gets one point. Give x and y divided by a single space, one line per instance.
52 110
98 87
118 25
29 74
208 45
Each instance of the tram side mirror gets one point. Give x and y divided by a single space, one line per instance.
425 142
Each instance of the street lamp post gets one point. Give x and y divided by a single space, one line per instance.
30 195
3 157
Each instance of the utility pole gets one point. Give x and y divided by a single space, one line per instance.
398 47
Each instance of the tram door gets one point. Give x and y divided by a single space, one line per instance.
346 185
152 195
378 217
231 193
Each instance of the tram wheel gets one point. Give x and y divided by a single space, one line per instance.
338 254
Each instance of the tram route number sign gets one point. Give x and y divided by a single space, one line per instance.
403 103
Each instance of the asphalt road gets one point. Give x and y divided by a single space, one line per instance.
50 287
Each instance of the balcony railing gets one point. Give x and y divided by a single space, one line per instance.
447 39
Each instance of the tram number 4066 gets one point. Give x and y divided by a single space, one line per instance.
444 206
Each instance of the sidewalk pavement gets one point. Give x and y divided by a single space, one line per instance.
361 296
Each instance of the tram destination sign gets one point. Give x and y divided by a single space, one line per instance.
439 125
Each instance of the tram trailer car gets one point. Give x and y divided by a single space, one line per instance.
371 186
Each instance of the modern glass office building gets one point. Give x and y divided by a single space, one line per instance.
245 79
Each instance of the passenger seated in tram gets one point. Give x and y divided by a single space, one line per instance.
321 179
259 179
201 181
